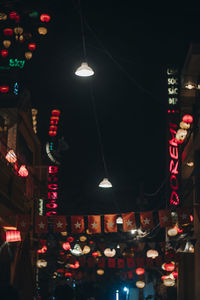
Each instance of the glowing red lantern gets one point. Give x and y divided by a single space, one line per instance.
52 133
53 128
54 120
66 246
55 112
13 15
70 239
168 267
4 89
45 18
164 277
8 31
4 53
23 172
187 119
13 236
17 18
139 271
75 266
95 254
31 46
67 274
42 250
175 274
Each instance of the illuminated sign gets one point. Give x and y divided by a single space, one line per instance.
52 191
40 207
55 113
16 89
14 62
173 151
49 147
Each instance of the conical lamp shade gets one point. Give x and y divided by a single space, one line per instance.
105 183
84 70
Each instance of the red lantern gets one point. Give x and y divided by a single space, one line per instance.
42 250
67 274
23 172
175 274
13 236
169 267
95 254
52 133
139 271
53 128
164 277
4 53
13 15
8 31
54 120
75 266
66 246
31 46
70 239
45 18
4 89
17 18
55 112
187 119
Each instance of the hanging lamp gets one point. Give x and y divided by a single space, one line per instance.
84 70
105 183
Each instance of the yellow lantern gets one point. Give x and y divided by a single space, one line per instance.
86 249
42 30
18 30
109 253
6 43
181 135
184 125
100 271
140 284
83 238
152 253
169 282
41 263
28 55
3 16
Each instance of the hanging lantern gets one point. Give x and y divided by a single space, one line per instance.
84 70
95 254
54 120
83 238
77 251
175 274
140 271
42 30
41 263
18 30
28 55
55 112
100 272
86 249
3 16
31 46
13 236
23 172
6 43
109 253
42 250
11 156
13 15
169 282
172 231
4 53
181 135
45 18
187 119
4 88
8 31
168 267
152 253
66 246
105 183
184 125
53 128
164 277
52 133
140 284
68 274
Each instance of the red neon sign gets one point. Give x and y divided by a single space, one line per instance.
51 204
55 113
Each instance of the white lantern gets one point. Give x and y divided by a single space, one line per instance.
41 263
181 135
140 284
184 125
152 253
105 183
109 253
84 70
172 231
169 282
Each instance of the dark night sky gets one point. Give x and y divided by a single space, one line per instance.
142 42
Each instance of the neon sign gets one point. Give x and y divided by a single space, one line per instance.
173 150
52 191
16 63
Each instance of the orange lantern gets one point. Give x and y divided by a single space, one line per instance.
42 30
23 172
139 271
11 156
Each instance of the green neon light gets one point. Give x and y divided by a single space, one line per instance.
16 63
33 14
4 68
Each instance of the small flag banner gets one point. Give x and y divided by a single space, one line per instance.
96 224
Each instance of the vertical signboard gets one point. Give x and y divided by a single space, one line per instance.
173 150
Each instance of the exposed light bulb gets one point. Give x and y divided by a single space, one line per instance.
105 183
84 70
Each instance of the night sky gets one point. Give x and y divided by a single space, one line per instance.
129 48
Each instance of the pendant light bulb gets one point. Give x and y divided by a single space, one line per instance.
84 70
105 183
